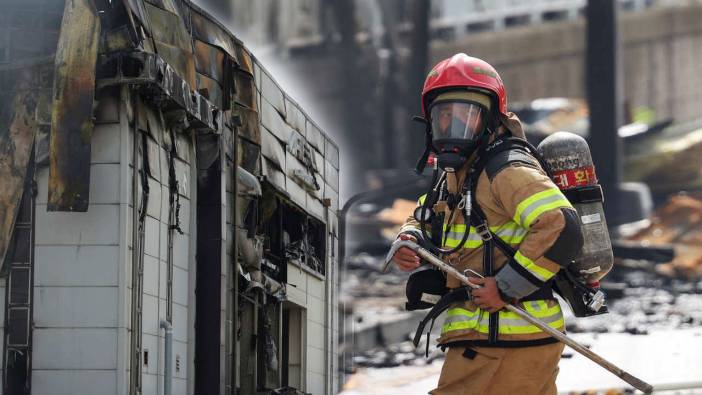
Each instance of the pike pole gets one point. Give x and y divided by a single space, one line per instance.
432 259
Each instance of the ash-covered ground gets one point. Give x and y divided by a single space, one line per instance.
641 302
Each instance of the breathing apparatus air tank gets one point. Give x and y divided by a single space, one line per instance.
569 163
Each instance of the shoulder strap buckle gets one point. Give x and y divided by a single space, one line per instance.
483 231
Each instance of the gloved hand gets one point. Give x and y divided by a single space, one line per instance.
488 297
406 259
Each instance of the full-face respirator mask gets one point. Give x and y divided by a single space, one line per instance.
457 123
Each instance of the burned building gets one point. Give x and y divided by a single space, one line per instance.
168 215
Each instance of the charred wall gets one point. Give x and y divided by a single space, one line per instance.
160 114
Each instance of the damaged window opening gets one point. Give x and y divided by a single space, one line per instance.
295 237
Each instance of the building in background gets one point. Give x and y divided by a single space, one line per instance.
365 72
167 213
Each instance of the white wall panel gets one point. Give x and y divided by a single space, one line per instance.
75 348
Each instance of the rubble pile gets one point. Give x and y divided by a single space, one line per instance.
401 354
646 303
677 223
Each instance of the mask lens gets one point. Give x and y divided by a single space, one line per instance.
457 120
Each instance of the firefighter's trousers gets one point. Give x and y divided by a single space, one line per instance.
500 371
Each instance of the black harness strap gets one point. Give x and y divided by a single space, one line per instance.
502 343
455 295
479 220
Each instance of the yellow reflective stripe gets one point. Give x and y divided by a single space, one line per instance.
509 226
541 311
541 273
528 329
469 243
461 319
546 207
457 311
510 232
510 323
535 310
457 326
422 199
530 208
524 204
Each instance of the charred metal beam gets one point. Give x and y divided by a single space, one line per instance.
161 82
72 109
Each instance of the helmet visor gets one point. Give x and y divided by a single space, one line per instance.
457 120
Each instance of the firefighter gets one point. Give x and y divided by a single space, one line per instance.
490 350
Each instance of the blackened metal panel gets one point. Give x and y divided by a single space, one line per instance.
212 33
250 127
168 27
245 58
167 5
173 41
17 131
210 89
209 60
137 8
118 39
180 60
72 112
244 90
249 156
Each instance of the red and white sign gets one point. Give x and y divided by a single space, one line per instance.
566 179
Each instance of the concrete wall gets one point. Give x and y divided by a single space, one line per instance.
82 280
77 281
660 53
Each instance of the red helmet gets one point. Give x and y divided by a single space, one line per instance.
463 71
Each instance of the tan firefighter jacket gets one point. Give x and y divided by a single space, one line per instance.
524 208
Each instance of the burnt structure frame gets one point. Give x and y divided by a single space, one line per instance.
25 221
